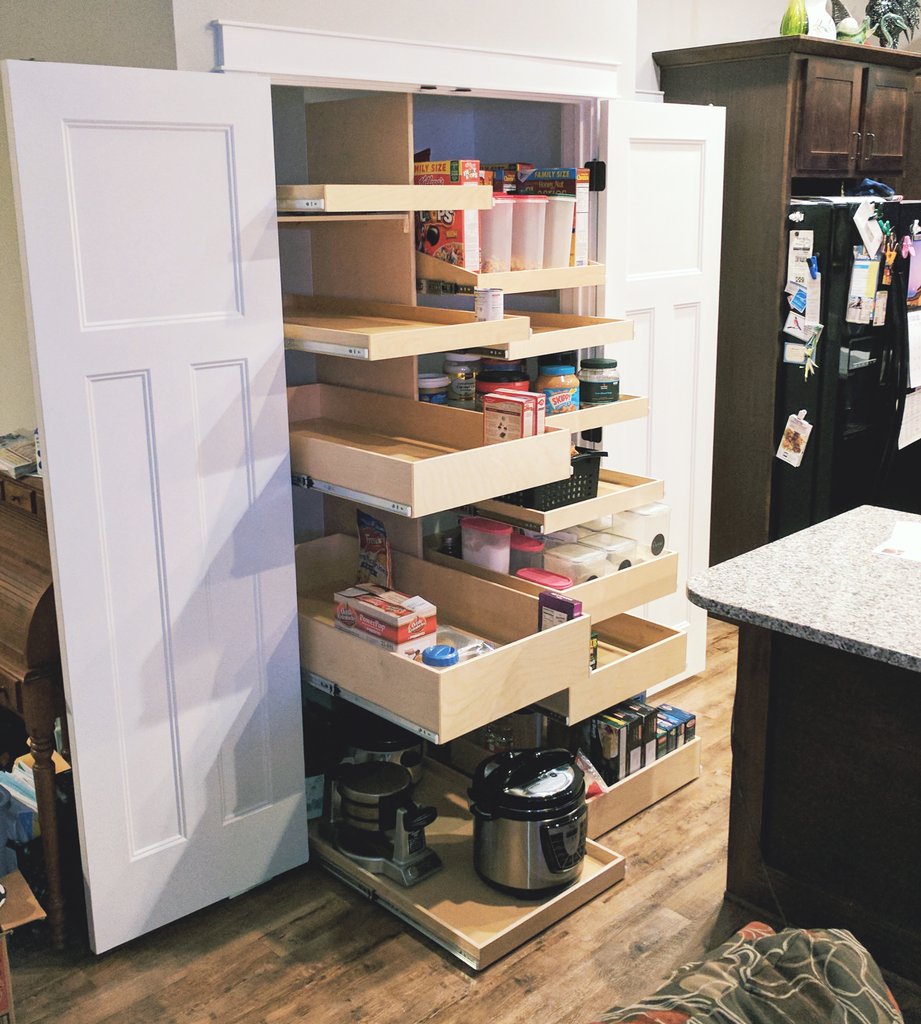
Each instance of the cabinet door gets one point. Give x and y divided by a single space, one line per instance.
146 202
827 129
886 119
659 237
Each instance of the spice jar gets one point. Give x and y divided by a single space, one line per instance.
461 369
599 381
561 387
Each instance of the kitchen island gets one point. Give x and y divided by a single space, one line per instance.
825 812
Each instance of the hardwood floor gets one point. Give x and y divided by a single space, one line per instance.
306 947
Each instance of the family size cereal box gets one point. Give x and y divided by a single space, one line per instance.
449 235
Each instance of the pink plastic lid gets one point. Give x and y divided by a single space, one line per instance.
484 525
522 543
552 580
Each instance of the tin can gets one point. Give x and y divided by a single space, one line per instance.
489 303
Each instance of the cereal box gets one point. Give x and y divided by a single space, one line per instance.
564 181
449 235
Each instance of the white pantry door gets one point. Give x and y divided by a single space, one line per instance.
146 204
659 235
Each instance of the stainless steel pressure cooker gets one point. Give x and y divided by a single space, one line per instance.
529 821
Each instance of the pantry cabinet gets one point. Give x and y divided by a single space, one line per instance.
157 341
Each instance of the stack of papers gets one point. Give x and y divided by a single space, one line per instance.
17 454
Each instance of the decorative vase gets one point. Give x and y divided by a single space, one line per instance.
821 23
795 21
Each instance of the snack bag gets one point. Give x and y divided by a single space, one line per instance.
373 551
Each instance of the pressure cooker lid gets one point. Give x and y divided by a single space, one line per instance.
528 783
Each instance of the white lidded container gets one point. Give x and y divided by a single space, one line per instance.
621 551
571 535
561 215
496 235
601 523
577 561
647 525
528 223
485 542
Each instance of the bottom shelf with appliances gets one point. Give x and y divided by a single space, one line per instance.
454 907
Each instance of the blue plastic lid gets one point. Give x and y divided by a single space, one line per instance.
440 656
556 370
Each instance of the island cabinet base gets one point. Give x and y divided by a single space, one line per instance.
825 820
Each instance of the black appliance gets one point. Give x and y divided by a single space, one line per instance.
856 396
529 821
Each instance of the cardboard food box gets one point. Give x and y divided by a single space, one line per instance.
537 402
386 614
449 235
564 181
507 176
20 908
507 417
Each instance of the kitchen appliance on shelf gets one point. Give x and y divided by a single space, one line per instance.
529 821
856 395
368 737
376 823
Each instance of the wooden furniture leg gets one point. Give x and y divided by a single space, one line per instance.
38 706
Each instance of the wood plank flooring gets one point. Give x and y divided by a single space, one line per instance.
305 947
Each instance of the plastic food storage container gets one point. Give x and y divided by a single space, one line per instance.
528 221
491 380
599 381
496 236
561 213
433 387
572 535
596 525
485 542
547 580
647 525
578 561
560 385
620 551
525 553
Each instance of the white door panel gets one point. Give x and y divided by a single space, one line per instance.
146 202
659 229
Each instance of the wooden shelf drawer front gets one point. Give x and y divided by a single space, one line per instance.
440 704
616 493
415 457
357 329
560 332
510 281
644 788
601 598
632 656
336 198
17 495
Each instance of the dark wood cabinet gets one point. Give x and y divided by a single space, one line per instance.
803 116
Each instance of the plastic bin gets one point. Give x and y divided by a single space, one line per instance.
561 213
571 535
485 542
580 485
621 551
496 236
647 525
577 561
528 223
525 553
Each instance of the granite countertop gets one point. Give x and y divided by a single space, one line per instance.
828 585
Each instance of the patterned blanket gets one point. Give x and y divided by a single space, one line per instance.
759 976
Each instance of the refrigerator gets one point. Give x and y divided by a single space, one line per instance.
856 394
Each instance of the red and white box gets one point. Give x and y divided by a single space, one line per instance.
385 614
537 404
506 417
449 235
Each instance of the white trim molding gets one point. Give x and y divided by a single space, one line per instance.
300 56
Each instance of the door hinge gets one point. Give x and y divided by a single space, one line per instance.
597 175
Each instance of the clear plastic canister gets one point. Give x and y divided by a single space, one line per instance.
525 553
528 222
496 236
485 542
561 213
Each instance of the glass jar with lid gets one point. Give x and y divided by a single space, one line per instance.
599 381
461 368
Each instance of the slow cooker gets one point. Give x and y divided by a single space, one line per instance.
529 821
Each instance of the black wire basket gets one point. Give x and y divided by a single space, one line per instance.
580 485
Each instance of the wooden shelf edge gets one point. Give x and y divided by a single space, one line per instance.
512 281
379 198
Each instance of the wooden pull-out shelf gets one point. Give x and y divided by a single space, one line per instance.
410 457
510 281
439 704
381 198
632 656
560 332
358 329
616 493
627 407
644 788
601 597
454 907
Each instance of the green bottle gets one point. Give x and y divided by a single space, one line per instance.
795 20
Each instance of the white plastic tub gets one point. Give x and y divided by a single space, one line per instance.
561 213
647 525
528 224
496 236
577 561
621 552
485 542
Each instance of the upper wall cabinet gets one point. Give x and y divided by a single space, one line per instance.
852 118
